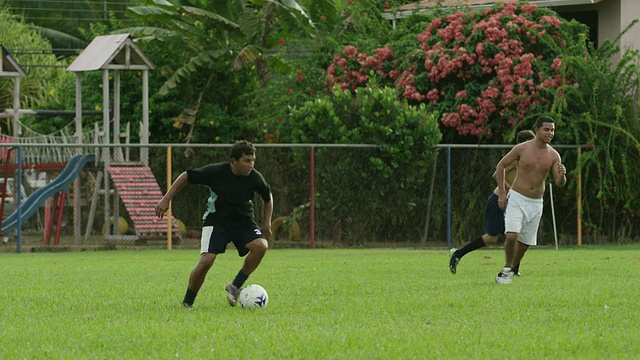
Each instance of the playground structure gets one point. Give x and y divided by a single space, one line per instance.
119 178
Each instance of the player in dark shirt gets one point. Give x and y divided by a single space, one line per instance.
229 216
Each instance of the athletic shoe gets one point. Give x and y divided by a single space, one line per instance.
504 277
186 305
232 294
453 261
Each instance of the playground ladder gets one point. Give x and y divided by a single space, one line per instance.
140 193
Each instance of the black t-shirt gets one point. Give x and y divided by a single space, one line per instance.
231 199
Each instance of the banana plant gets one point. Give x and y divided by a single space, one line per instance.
239 32
213 34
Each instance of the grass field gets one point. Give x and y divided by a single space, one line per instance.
580 303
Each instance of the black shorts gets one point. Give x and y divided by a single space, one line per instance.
493 217
214 239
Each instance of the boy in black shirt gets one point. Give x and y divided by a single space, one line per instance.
229 216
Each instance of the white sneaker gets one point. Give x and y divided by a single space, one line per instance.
505 276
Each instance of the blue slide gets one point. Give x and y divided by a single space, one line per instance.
59 184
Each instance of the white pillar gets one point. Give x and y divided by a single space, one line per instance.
77 194
117 152
78 110
106 153
16 107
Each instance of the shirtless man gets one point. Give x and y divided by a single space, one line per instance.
535 159
493 216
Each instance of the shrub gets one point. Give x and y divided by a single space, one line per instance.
42 83
598 110
485 71
382 177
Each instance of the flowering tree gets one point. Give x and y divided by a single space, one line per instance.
355 69
485 71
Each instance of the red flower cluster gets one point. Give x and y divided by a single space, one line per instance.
492 66
352 70
480 68
273 138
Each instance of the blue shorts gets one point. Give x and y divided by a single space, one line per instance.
215 238
493 217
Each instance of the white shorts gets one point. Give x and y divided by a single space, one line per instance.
522 216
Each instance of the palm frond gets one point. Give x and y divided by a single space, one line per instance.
150 12
148 32
163 3
192 30
291 6
202 60
270 16
249 21
292 15
59 39
210 15
248 55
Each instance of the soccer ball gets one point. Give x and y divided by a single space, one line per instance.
253 296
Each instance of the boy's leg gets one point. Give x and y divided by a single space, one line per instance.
504 276
493 226
256 251
475 244
196 279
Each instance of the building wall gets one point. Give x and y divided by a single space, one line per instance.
609 28
609 19
614 16
630 11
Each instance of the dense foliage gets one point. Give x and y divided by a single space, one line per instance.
261 70
407 135
41 82
599 109
492 72
486 71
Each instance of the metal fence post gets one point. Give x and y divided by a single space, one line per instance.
312 200
449 197
169 211
18 200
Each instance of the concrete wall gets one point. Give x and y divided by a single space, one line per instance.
608 21
630 11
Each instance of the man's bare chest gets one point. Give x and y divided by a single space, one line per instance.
535 162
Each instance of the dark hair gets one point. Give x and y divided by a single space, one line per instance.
241 147
524 135
543 119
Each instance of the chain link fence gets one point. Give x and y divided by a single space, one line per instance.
353 204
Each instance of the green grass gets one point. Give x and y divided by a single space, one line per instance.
580 303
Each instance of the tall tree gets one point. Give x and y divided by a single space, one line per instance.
238 32
212 36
